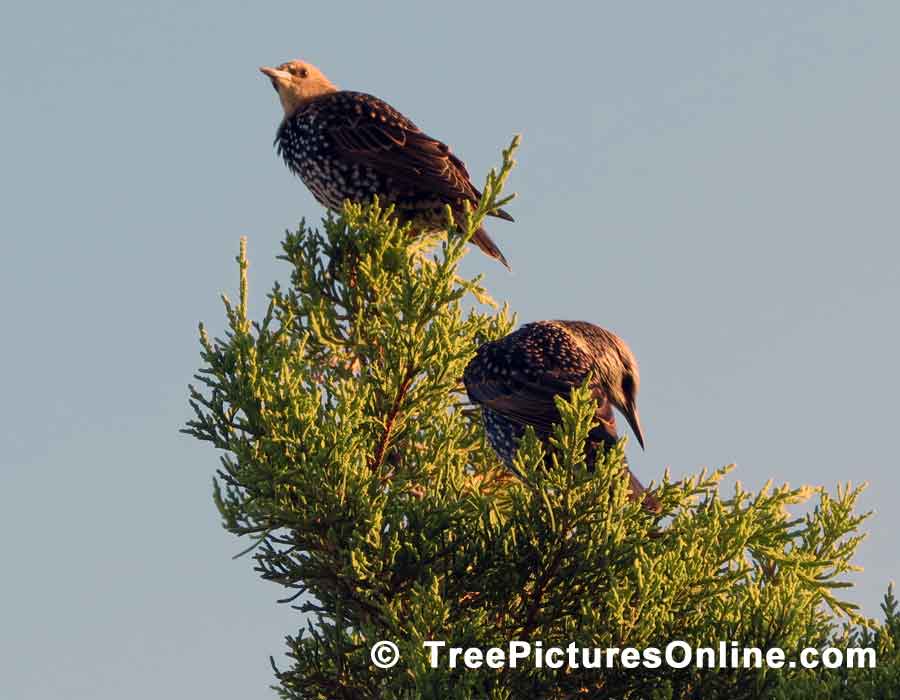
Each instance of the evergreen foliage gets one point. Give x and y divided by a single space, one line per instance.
353 462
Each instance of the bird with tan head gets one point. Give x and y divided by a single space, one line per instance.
352 146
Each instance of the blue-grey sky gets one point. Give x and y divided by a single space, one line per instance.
716 182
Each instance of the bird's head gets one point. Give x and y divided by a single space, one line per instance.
617 369
627 391
297 82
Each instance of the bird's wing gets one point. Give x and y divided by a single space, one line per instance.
375 134
530 401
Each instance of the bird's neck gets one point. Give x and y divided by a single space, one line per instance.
293 103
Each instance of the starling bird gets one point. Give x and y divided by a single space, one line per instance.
350 145
516 378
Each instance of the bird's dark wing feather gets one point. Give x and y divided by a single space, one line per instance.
521 400
380 137
528 401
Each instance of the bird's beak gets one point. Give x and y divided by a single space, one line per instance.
634 420
275 75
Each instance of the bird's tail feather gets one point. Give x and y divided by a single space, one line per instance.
639 493
484 242
501 214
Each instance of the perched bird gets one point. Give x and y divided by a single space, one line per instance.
516 378
350 145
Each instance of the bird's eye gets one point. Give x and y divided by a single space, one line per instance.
303 72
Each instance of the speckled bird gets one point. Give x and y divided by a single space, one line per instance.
350 146
516 378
